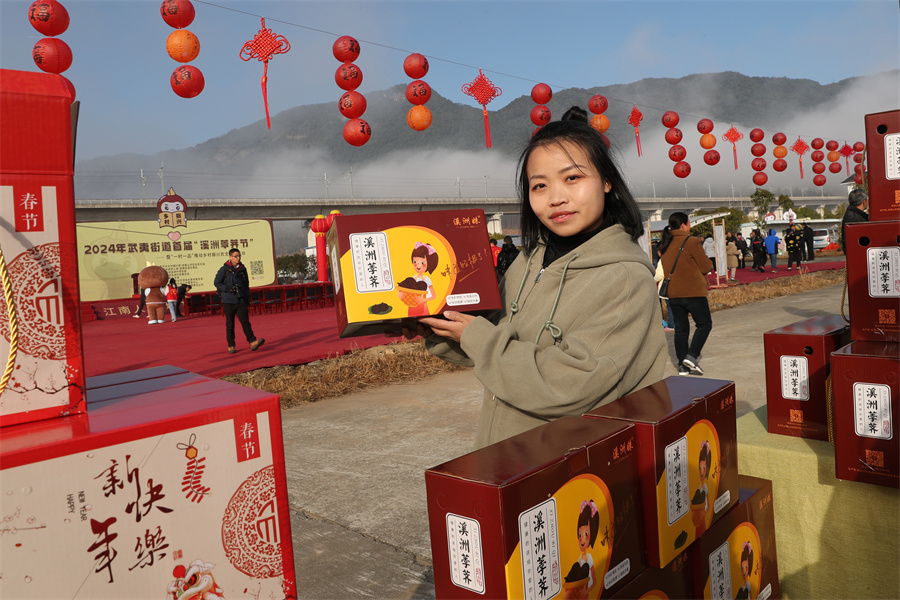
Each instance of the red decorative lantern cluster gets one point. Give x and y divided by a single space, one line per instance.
677 152
264 45
859 158
483 90
833 156
818 166
418 92
600 122
352 104
182 46
733 136
779 152
50 18
540 114
759 163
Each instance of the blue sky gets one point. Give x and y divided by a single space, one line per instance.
121 69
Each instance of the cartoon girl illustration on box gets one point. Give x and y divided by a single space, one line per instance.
744 593
417 290
582 577
700 500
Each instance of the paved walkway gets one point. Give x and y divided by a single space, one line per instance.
355 465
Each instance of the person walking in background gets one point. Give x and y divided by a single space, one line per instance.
758 250
741 244
858 202
141 304
683 257
233 284
809 237
172 298
772 241
709 247
506 256
668 320
794 245
731 259
183 289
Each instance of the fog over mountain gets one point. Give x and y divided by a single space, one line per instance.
305 156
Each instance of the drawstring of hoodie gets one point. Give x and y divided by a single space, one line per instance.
549 325
514 305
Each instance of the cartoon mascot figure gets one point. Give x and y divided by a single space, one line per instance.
153 282
195 582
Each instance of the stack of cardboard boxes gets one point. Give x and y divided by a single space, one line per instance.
828 380
151 483
640 496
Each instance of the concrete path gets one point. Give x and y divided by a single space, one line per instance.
355 465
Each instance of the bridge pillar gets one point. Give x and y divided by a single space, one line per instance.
656 215
494 225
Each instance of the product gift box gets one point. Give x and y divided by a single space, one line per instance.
686 433
550 513
736 558
866 391
873 280
798 375
883 160
390 267
40 328
167 492
675 581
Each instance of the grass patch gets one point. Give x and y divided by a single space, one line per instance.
408 361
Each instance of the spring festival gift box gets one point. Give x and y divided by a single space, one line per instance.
550 513
389 267
736 558
686 434
873 280
798 375
883 159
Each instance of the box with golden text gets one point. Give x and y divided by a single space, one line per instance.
391 267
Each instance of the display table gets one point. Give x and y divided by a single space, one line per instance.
835 538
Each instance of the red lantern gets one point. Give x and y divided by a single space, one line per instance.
779 152
818 167
857 158
352 104
779 165
859 146
673 135
704 126
331 216
600 123
540 115
707 141
833 156
604 139
817 143
858 179
320 227
670 118
348 76
858 169
835 167
177 13
779 139
52 55
541 93
357 132
598 104
182 45
49 17
419 118
677 152
345 49
758 149
760 179
681 169
187 81
711 157
757 135
818 156
819 180
418 92
832 145
758 164
415 66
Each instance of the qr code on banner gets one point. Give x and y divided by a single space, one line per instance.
887 316
256 267
874 458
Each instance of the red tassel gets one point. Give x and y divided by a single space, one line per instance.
487 128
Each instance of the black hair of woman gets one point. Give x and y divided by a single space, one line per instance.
676 220
747 554
575 113
620 206
172 281
427 252
590 517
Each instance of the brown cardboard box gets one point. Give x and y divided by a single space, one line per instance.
883 160
873 280
678 420
798 375
505 520
737 558
865 377
375 260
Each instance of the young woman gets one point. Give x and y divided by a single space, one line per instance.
580 320
172 298
687 290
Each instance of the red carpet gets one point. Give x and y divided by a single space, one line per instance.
748 276
198 343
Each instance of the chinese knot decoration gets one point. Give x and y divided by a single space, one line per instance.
733 136
635 119
264 45
483 91
50 18
801 148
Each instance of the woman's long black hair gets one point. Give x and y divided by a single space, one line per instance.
676 220
620 206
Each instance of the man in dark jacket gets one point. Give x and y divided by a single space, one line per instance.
183 289
506 256
233 284
856 212
741 244
809 237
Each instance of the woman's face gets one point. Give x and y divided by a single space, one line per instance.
566 192
745 569
702 470
584 537
420 264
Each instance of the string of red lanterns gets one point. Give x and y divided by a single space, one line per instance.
348 77
50 54
182 46
677 152
598 105
417 92
540 114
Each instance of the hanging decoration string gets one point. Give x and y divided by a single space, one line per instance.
13 323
